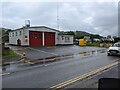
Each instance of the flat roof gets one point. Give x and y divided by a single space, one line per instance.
65 34
36 27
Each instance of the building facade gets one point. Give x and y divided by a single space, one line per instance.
36 36
65 40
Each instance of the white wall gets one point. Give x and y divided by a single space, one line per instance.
13 38
64 40
25 32
56 38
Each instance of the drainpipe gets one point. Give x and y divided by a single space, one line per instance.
43 41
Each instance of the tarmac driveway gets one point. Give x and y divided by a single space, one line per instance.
71 49
43 52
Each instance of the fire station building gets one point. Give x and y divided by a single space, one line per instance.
38 36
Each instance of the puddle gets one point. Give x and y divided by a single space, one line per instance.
91 53
22 66
15 67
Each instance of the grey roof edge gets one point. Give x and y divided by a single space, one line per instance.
65 34
36 27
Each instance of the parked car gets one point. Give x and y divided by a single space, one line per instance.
77 41
114 49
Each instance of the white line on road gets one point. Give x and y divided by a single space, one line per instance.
4 74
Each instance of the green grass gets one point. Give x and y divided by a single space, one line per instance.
93 44
10 54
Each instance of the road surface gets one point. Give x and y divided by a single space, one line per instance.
93 82
56 72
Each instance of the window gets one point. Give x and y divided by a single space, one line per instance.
116 45
13 34
67 39
16 33
20 33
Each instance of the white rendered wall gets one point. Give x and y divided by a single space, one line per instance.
63 41
25 32
13 39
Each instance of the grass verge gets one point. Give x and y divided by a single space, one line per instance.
93 44
10 54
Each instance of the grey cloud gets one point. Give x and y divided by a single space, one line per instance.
94 17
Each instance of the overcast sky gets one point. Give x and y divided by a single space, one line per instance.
93 17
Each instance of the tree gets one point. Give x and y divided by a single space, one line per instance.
70 33
116 39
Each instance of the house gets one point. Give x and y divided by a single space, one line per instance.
37 36
88 40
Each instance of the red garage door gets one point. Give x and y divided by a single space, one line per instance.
35 38
49 38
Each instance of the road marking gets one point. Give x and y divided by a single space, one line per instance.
4 74
29 62
42 51
86 75
13 62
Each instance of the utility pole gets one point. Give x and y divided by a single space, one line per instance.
58 16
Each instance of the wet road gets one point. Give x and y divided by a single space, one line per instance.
93 82
57 72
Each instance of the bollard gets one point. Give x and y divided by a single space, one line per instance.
24 57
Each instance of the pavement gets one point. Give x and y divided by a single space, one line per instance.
48 75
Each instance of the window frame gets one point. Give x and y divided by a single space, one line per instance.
16 33
12 34
20 33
